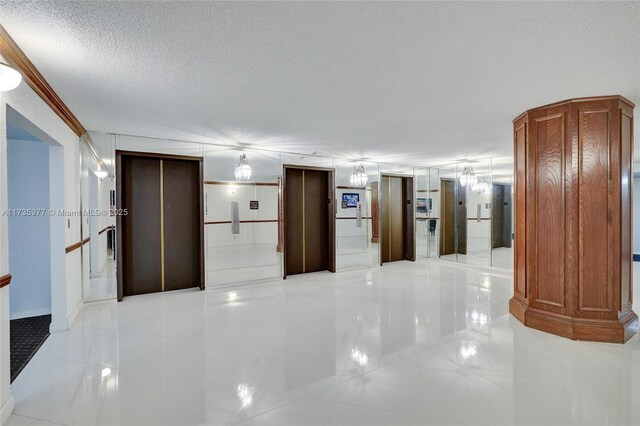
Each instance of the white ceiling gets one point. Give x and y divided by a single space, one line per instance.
424 83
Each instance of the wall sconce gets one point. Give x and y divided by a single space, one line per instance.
9 78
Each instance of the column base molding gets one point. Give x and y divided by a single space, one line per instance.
586 329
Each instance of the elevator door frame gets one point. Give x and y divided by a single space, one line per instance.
411 223
331 215
119 203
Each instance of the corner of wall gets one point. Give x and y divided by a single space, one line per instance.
6 410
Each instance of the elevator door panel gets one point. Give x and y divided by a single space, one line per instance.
447 214
141 246
294 216
182 233
461 219
395 217
396 221
316 220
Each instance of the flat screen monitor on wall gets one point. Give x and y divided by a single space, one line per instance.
350 200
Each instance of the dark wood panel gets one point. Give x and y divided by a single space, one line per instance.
5 280
375 213
549 140
593 180
141 228
396 236
520 208
408 203
385 214
294 221
397 218
447 213
573 219
626 207
497 217
461 219
182 236
316 222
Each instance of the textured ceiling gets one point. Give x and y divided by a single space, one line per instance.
420 82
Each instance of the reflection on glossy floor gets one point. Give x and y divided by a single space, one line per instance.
501 258
408 343
356 252
102 287
243 262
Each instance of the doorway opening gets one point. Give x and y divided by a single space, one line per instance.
161 225
397 212
35 192
309 219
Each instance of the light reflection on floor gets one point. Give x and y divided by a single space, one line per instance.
408 343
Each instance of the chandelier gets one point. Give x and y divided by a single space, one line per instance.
482 185
468 178
358 177
243 169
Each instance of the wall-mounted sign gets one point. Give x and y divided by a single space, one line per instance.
254 205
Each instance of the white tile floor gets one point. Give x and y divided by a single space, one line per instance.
408 343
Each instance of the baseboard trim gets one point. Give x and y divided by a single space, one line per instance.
6 410
68 322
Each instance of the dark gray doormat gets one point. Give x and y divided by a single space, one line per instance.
27 335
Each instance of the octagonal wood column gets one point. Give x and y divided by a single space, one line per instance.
573 214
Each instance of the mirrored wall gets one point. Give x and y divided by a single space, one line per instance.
460 212
467 209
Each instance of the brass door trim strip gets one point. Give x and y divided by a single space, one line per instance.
390 221
162 223
304 230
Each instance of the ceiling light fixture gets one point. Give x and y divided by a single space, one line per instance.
468 178
359 176
101 174
243 169
9 78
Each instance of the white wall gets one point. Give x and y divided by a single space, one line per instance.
29 236
25 101
348 227
478 233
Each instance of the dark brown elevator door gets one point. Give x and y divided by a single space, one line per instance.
306 221
181 224
161 236
447 218
141 226
393 199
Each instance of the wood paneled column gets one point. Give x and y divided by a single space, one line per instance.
573 214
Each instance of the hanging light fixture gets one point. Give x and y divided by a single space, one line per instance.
9 78
468 178
243 169
482 185
101 174
358 177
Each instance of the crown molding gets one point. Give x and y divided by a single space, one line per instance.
30 74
